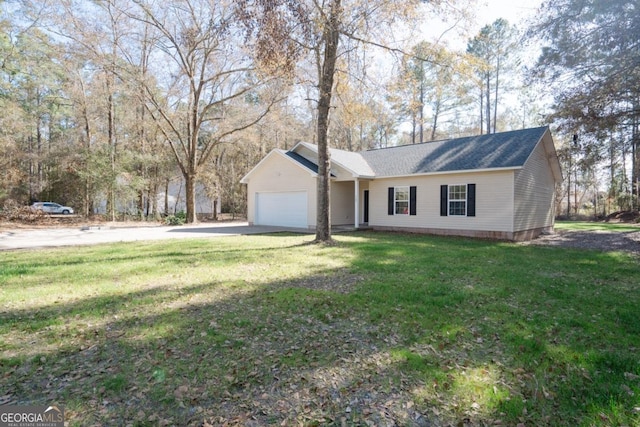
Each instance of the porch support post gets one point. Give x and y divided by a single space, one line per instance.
356 209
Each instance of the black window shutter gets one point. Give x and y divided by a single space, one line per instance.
390 208
444 200
412 200
471 200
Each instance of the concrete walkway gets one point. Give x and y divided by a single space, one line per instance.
89 235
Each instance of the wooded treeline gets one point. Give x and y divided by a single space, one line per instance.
106 105
591 64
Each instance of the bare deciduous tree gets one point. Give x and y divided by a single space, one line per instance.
195 98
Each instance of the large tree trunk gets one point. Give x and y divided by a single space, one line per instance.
142 168
141 112
190 197
111 194
166 196
154 195
39 143
88 191
331 37
87 196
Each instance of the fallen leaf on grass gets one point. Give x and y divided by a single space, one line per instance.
6 399
627 389
181 391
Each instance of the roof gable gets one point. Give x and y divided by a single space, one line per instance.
308 166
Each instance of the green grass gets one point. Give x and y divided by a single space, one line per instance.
276 331
596 226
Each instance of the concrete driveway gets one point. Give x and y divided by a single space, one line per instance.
89 235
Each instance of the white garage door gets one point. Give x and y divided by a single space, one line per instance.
288 209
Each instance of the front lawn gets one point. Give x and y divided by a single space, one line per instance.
270 330
612 227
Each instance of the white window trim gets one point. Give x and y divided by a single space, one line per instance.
449 199
395 200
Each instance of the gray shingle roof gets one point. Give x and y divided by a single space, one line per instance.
495 151
354 161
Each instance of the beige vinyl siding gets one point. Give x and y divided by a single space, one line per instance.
534 193
494 202
342 202
277 173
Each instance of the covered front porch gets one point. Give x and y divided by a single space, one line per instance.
350 203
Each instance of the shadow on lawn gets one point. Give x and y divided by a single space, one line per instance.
416 331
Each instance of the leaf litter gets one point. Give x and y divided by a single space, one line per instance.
233 361
297 352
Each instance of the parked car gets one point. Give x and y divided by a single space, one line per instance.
51 208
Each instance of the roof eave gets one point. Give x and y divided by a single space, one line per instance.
452 172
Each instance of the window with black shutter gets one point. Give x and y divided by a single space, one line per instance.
412 200
390 200
471 200
444 200
458 200
402 201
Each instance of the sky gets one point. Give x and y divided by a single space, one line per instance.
482 12
515 11
485 12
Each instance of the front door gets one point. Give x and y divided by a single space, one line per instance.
366 206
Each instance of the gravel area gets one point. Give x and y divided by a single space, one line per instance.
11 239
595 240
